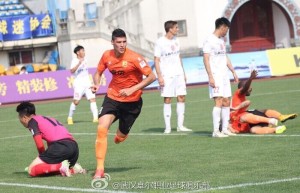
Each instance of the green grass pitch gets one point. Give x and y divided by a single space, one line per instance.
149 161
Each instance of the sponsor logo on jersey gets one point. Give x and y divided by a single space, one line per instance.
171 53
117 72
143 64
124 64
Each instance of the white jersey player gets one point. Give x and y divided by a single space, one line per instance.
217 64
171 75
82 84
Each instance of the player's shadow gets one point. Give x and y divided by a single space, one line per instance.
202 133
80 122
161 130
114 170
154 130
21 174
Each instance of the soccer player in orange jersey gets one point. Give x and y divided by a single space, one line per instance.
123 99
254 121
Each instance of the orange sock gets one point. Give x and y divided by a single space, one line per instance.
254 119
119 139
101 147
44 168
272 113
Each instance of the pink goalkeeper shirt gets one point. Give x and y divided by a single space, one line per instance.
50 129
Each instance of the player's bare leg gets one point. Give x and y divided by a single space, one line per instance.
267 130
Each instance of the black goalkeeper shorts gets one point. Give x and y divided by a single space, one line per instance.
58 151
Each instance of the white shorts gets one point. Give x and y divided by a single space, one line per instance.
174 86
222 89
79 91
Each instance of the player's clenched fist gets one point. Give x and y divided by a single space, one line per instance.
94 88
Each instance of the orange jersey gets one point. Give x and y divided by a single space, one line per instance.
236 115
127 71
238 99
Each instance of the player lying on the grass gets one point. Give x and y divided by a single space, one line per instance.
254 121
62 152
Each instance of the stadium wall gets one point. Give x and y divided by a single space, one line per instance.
53 85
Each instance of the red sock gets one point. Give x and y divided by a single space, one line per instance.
119 139
44 168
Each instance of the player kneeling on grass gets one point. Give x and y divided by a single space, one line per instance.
62 152
254 121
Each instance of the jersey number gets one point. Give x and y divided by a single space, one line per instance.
216 89
52 122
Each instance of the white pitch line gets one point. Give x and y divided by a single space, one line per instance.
162 134
57 188
186 133
157 105
194 191
247 184
133 134
138 134
267 135
13 137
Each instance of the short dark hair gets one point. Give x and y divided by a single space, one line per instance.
169 24
23 68
77 48
117 33
25 108
222 21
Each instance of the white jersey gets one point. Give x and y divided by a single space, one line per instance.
81 75
169 53
216 49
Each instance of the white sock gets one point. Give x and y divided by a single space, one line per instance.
94 110
167 115
216 113
72 109
180 114
225 118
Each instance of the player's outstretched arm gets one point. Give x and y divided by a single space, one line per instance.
247 84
